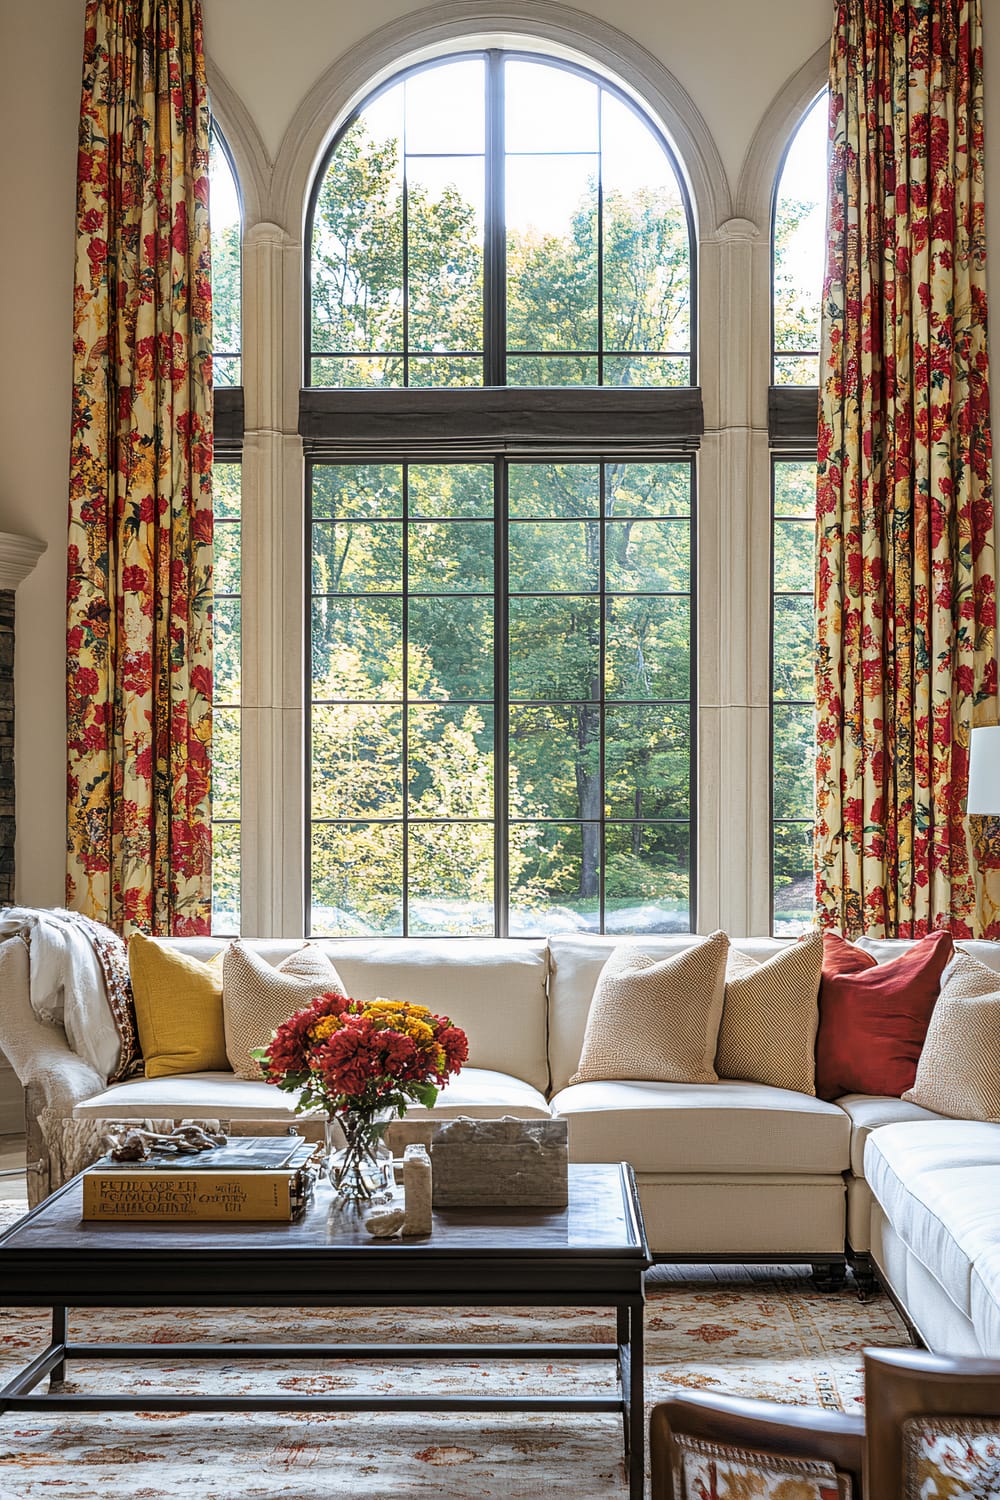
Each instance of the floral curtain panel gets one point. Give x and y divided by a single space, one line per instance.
905 596
139 644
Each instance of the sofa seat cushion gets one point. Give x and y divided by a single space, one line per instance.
210 1096
214 1096
868 1112
487 1095
938 1183
715 1127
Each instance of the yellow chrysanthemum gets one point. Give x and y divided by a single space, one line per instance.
324 1028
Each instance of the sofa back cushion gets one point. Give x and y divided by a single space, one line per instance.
575 962
494 989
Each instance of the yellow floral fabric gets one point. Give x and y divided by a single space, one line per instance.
705 1470
905 593
139 634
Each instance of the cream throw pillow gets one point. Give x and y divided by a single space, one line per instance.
656 1018
959 1069
771 1016
257 997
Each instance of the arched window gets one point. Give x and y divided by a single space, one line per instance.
499 424
227 232
798 255
799 250
226 229
496 219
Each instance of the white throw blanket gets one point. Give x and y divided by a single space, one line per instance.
67 981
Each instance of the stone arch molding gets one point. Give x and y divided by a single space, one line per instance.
451 25
250 159
772 137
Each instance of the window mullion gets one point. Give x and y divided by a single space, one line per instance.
501 699
494 233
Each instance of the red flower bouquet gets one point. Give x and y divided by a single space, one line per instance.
362 1062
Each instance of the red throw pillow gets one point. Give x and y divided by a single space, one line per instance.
873 1017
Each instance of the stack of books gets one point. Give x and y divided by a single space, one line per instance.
249 1177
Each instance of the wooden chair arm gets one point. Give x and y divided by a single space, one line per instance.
792 1432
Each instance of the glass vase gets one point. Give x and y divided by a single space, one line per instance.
360 1165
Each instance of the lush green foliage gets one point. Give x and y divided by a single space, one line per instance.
404 592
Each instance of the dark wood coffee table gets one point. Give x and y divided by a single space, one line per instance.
592 1254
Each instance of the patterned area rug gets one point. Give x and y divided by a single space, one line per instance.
748 1331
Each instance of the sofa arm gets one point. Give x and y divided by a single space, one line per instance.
39 1054
53 1076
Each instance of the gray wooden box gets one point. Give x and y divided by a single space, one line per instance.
506 1163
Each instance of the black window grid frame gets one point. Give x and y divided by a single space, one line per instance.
494 352
501 701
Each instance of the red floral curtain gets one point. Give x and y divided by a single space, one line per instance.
139 644
905 597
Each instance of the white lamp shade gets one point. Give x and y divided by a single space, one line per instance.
984 770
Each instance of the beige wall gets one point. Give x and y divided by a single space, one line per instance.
732 58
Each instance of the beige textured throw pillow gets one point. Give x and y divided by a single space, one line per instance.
257 997
771 1016
959 1069
656 1018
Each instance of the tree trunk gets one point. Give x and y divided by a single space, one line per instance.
588 791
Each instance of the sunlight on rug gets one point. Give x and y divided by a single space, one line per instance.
754 1331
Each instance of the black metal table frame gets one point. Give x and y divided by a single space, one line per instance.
627 1352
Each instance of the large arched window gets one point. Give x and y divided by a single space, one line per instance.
499 420
226 222
798 253
497 219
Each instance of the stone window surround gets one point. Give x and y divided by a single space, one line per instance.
732 230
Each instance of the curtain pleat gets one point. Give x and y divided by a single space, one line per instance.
905 589
139 639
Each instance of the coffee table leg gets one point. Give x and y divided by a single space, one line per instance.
58 1372
637 1414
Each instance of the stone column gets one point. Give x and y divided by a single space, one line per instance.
6 746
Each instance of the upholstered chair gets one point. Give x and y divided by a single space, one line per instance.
931 1426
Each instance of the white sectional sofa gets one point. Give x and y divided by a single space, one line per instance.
731 1170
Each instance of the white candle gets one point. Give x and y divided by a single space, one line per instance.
417 1190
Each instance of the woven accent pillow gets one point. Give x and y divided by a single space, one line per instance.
257 997
656 1018
958 1073
702 1468
770 1017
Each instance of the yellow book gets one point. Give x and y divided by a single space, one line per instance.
177 1196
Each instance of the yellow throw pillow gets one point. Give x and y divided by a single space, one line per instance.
771 1016
959 1069
178 1009
656 1018
257 997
